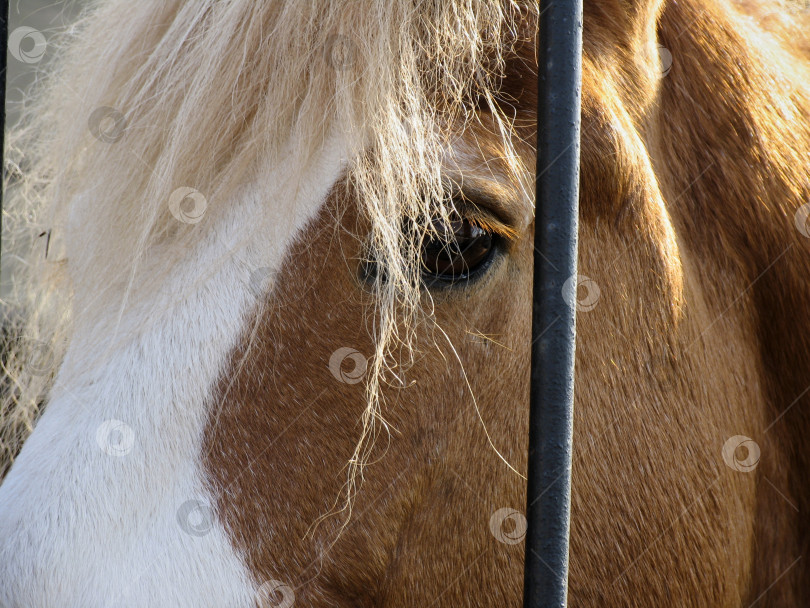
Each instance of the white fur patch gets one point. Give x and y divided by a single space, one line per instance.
106 505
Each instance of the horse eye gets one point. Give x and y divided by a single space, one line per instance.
457 250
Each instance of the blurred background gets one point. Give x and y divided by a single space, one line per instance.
44 16
40 18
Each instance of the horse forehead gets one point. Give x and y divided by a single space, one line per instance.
121 497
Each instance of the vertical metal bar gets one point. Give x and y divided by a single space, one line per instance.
554 314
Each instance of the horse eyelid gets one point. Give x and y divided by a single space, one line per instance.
485 217
487 204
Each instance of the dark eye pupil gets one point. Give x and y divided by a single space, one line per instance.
457 249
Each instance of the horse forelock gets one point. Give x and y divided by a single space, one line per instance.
197 98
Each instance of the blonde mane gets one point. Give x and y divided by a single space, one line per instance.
201 91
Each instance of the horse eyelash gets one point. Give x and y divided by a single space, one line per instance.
483 218
491 225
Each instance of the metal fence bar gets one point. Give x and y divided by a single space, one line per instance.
554 311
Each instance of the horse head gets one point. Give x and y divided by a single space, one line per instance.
282 352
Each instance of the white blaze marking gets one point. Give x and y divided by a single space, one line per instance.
107 504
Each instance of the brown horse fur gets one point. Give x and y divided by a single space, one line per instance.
690 183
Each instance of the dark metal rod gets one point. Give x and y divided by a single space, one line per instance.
554 313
